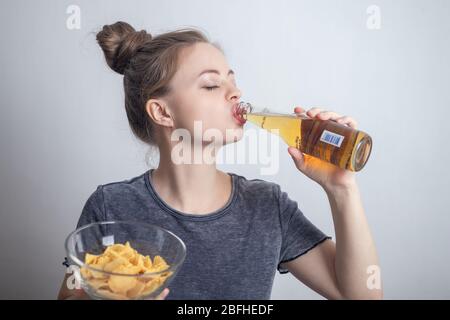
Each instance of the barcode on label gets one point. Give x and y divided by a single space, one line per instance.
332 138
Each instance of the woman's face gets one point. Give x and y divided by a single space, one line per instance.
204 91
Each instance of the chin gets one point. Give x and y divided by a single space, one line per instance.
234 135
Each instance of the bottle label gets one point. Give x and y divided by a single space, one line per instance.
332 138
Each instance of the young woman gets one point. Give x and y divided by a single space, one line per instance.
238 232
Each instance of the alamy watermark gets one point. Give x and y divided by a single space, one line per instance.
73 21
255 147
374 17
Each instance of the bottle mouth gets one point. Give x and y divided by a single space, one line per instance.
241 110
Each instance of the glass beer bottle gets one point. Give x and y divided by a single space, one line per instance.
328 140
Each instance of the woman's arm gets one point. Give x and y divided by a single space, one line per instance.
341 271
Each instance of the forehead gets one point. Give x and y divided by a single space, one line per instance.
198 57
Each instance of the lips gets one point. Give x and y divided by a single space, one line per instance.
237 114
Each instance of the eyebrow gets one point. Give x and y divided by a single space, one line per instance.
215 71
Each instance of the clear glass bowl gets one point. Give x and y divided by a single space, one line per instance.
147 239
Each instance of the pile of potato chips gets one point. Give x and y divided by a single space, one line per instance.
123 259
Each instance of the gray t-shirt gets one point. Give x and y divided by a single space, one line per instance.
231 253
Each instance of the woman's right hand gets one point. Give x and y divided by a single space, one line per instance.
77 294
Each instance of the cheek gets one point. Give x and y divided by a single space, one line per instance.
210 114
219 121
196 117
185 112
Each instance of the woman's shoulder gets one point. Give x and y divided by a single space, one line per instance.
256 186
135 184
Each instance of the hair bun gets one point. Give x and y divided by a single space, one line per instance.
119 42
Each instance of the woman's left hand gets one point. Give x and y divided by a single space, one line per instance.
325 174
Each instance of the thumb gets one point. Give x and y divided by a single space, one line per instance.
298 157
163 294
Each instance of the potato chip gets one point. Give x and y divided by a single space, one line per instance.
137 290
114 264
123 259
159 264
147 262
121 284
90 258
152 285
99 283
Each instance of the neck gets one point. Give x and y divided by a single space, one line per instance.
191 188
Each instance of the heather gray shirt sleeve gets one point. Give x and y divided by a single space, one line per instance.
93 209
299 235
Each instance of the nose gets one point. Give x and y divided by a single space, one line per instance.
234 93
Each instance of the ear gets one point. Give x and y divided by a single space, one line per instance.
159 112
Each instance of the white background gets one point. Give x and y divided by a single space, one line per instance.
63 128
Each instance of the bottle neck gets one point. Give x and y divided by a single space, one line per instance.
245 108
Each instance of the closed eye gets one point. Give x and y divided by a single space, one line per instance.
211 88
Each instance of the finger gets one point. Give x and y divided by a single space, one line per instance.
328 115
299 110
346 120
163 294
314 111
298 158
78 294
